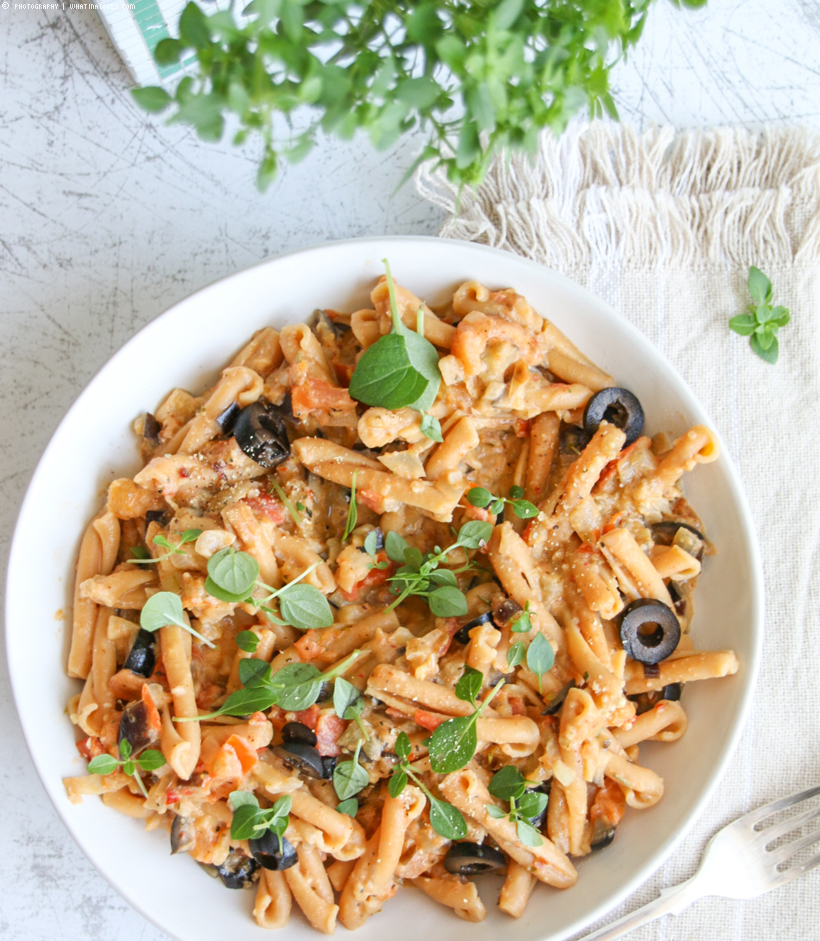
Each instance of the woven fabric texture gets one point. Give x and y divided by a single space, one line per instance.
664 227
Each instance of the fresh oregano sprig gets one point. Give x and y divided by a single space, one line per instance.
481 497
421 575
509 785
348 703
250 822
296 686
445 819
453 744
164 609
762 321
476 76
233 576
141 556
149 760
349 777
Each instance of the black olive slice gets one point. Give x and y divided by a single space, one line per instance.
462 635
141 658
301 757
260 431
472 859
538 821
671 692
183 835
504 612
603 833
297 732
151 429
326 692
328 766
238 870
160 517
134 727
617 406
650 631
272 853
228 417
558 699
572 439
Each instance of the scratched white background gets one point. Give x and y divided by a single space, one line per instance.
107 218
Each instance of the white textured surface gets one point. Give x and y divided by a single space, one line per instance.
107 218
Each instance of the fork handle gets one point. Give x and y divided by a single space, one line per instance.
671 901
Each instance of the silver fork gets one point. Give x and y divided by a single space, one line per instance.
736 864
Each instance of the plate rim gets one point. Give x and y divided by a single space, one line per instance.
751 668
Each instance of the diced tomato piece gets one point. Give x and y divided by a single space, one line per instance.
151 712
171 796
308 717
428 720
246 755
477 513
374 577
609 803
522 428
277 717
318 394
372 499
517 705
90 747
265 505
328 729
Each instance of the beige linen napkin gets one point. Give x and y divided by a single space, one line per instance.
664 228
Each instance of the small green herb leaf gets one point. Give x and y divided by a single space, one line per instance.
371 543
254 673
431 428
103 764
152 99
447 602
344 695
233 572
151 759
540 657
469 685
395 546
527 833
247 641
453 744
349 806
349 777
403 747
352 512
760 287
508 784
474 534
515 655
446 820
305 607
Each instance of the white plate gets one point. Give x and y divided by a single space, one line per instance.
187 346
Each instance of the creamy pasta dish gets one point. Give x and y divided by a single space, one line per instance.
395 602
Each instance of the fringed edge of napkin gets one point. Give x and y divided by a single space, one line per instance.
606 194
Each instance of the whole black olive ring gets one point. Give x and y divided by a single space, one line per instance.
462 635
260 431
649 646
472 859
617 406
272 853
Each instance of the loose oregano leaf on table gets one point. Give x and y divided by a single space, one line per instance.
762 321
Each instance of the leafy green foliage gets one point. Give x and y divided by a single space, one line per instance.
352 511
523 509
446 820
349 703
420 574
540 657
164 609
294 687
400 370
349 777
250 821
141 556
762 321
247 641
233 576
149 760
509 785
478 75
453 744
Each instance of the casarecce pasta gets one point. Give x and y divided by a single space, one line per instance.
566 622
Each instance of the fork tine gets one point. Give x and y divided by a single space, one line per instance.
782 853
786 826
755 816
793 873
